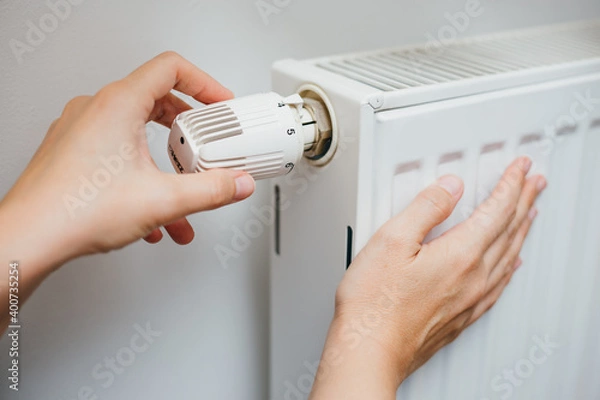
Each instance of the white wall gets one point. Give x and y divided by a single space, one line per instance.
213 320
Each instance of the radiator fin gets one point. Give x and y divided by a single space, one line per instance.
393 70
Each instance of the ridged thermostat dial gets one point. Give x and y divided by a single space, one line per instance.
265 135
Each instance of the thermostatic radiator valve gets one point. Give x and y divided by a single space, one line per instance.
265 135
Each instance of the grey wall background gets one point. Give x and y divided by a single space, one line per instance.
213 321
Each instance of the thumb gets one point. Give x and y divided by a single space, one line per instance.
430 208
192 193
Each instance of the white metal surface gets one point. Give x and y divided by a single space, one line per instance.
396 140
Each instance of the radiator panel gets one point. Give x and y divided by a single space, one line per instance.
554 292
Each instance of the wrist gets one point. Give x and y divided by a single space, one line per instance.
23 249
357 364
21 240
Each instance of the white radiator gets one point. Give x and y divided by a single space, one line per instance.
407 116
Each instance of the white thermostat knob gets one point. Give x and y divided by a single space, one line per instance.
265 135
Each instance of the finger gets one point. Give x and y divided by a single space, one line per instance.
519 263
491 298
192 193
510 257
533 187
492 217
430 208
155 79
166 109
180 231
154 237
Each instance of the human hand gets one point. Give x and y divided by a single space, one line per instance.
92 185
402 300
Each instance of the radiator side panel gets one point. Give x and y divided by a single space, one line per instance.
317 207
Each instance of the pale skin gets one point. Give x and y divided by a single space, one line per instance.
418 297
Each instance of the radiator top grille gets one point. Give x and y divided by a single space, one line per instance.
431 64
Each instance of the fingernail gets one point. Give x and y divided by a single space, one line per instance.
244 187
451 184
532 213
518 264
526 164
541 184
